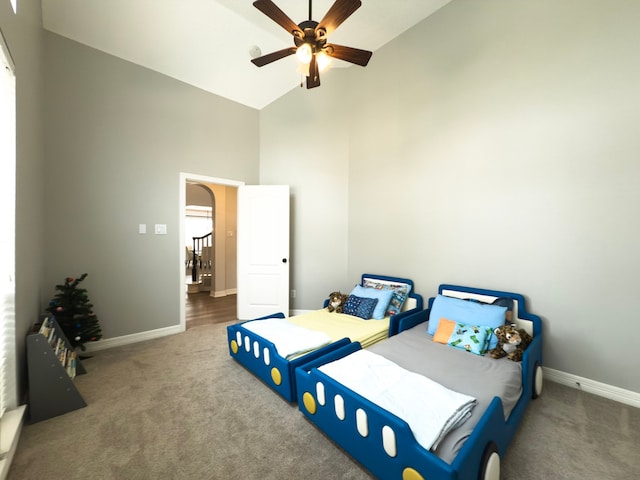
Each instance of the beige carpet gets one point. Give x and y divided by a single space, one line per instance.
180 408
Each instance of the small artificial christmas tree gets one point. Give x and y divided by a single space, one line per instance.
74 313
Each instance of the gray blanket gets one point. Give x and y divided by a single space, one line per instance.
461 371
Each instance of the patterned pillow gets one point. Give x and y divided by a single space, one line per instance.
472 338
400 293
360 307
383 296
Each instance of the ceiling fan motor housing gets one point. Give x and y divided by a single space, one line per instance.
315 37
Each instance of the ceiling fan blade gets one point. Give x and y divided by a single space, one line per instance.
273 56
338 13
349 54
272 11
313 80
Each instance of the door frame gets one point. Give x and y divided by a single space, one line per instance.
182 201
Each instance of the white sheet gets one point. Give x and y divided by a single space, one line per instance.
429 409
289 339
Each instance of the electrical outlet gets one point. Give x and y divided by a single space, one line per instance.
293 294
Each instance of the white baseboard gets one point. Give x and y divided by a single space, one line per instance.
224 293
591 386
10 428
133 338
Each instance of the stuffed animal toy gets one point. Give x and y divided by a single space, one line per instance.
337 301
512 342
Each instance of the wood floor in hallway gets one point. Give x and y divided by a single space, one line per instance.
203 309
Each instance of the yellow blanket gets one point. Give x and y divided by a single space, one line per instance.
340 325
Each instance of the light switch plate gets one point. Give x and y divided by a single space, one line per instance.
161 229
142 228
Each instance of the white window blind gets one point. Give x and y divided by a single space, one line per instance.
7 232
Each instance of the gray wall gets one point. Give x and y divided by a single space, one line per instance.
493 145
23 33
304 142
117 137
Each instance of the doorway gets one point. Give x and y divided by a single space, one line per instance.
219 303
199 238
199 235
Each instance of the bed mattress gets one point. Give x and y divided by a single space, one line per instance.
339 325
480 377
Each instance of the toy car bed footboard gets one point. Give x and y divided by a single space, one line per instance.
378 440
260 357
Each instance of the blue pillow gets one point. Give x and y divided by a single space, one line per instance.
359 306
464 311
383 297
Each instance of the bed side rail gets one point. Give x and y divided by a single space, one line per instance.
410 320
397 320
338 353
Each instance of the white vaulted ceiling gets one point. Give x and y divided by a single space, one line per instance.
206 43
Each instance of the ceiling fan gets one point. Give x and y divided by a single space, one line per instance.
310 38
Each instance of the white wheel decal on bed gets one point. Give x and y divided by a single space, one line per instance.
256 350
538 380
492 468
247 343
362 423
389 441
320 393
338 405
239 338
267 358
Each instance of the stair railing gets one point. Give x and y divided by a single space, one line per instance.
202 262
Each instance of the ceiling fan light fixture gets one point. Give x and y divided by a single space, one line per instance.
304 53
323 60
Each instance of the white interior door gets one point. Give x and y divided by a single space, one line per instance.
263 250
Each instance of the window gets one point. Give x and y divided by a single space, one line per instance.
7 233
198 222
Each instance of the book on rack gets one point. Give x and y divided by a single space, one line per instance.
65 355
